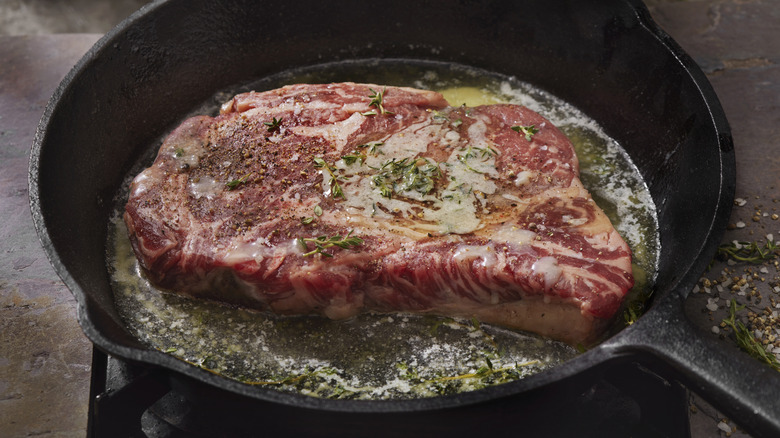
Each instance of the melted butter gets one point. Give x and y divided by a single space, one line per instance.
256 250
524 177
471 96
549 269
456 209
389 356
206 187
336 133
485 253
140 182
513 235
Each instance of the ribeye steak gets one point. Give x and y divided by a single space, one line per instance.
342 198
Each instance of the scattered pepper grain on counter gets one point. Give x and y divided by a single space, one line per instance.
742 287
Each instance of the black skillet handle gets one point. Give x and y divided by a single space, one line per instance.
741 387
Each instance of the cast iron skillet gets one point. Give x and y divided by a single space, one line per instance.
606 57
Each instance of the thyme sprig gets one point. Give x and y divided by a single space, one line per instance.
353 158
529 131
487 374
373 148
408 174
633 311
475 152
274 124
334 183
361 152
749 252
294 379
745 339
377 100
322 243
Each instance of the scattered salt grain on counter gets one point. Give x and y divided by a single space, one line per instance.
724 427
740 202
740 224
715 329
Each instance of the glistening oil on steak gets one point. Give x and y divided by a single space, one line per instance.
470 168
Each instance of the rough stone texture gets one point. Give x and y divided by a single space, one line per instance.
44 357
38 17
737 44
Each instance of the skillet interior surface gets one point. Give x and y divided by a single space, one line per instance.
606 58
384 356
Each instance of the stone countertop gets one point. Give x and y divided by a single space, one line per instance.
44 356
737 45
45 359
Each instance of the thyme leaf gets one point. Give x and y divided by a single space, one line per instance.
322 243
237 182
377 100
373 148
750 252
438 116
297 379
353 158
334 183
463 159
529 130
488 374
746 340
476 152
274 124
408 174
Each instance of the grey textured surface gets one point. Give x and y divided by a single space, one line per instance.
41 17
44 357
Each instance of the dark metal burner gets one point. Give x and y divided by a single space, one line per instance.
133 400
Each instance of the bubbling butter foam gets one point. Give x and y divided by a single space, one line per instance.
385 356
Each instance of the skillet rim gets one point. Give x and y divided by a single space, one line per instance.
616 348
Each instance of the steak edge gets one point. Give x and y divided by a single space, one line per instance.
341 198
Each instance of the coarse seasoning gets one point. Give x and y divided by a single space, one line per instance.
742 286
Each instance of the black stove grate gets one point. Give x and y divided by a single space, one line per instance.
131 400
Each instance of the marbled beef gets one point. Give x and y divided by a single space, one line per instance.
342 198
